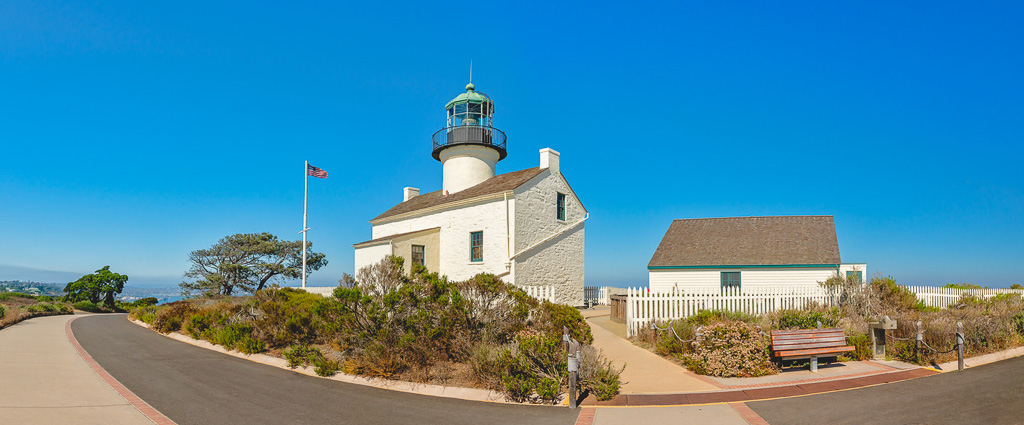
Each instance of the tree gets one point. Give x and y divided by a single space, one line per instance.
1016 286
247 262
91 287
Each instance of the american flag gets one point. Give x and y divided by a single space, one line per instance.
315 172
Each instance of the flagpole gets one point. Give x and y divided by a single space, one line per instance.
305 199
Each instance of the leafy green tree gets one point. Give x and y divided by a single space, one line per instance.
103 284
247 262
1016 286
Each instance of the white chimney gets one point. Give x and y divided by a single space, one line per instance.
410 192
549 159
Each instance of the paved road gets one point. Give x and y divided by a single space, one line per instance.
990 394
192 385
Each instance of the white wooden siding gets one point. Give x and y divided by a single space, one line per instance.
683 279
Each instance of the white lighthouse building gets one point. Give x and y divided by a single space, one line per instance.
525 226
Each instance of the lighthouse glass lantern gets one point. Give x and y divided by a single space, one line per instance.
469 147
470 108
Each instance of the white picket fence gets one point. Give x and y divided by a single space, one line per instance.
940 297
644 306
541 292
601 294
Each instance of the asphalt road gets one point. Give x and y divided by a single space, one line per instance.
192 385
990 394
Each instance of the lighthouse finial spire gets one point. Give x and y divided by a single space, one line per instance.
470 71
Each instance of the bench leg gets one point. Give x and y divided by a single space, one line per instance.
814 364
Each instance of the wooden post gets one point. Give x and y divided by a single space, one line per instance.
917 343
960 345
565 339
574 367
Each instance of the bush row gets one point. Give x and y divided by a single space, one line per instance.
419 327
735 344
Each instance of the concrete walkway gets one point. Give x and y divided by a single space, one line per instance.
717 414
45 380
646 372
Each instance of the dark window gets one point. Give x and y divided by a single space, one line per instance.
855 276
417 255
476 246
730 280
560 206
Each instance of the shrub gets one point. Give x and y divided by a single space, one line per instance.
557 316
146 314
170 317
731 349
301 355
862 347
86 305
43 308
548 390
9 295
230 335
3 311
805 319
198 326
1018 323
707 317
250 345
597 374
325 367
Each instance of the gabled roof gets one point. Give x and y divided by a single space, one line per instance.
496 184
391 237
748 241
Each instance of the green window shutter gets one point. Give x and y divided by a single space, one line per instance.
476 246
730 280
560 206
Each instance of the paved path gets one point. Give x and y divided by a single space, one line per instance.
192 385
646 372
990 394
43 380
717 414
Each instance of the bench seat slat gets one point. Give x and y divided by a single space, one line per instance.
806 331
822 352
808 346
802 336
836 341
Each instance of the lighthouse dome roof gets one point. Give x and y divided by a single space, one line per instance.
470 96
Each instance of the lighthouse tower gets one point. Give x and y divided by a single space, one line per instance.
469 147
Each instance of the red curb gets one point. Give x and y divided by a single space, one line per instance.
136 402
789 389
886 369
749 415
586 416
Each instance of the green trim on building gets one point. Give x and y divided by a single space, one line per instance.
752 266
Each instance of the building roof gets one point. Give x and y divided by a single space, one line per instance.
496 184
748 241
390 237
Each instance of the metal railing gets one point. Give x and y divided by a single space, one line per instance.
469 135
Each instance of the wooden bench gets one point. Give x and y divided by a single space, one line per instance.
809 344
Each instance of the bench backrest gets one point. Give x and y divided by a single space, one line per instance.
804 339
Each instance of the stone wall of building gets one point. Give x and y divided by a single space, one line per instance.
558 262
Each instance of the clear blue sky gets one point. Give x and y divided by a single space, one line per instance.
134 132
